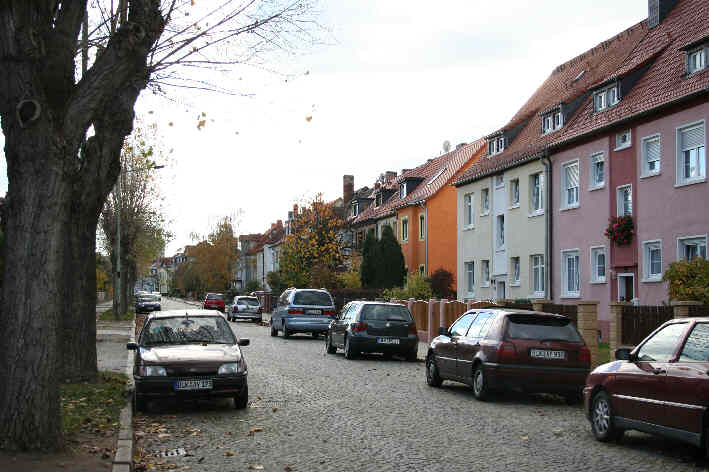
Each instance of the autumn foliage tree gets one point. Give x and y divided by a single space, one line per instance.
314 239
688 280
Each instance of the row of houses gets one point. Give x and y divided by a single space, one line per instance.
619 130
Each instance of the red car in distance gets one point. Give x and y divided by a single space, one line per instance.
214 301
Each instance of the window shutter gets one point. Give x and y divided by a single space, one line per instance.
572 176
692 138
652 150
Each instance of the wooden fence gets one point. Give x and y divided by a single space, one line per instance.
699 310
639 321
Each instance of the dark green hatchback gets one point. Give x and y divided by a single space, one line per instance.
386 328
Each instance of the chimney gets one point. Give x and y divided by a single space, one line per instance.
347 188
460 146
279 223
403 171
657 11
295 209
390 175
377 185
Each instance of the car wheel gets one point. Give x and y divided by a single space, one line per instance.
286 333
602 418
329 347
480 388
139 404
241 400
349 352
274 331
433 378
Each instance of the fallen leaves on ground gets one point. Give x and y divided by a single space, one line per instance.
253 431
255 467
229 453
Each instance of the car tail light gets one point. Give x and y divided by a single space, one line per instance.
329 312
506 352
585 355
235 309
259 310
412 329
295 311
360 326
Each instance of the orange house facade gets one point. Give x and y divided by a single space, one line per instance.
426 213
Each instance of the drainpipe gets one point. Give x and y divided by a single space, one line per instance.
548 221
425 217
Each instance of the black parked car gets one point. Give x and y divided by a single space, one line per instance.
146 303
387 328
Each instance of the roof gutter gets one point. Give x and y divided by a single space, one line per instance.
548 229
422 204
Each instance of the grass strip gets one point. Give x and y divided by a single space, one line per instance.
93 407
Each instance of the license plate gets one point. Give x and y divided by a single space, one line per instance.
203 384
547 354
387 340
313 312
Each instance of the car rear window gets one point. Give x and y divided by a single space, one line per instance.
147 298
542 328
186 330
307 297
385 313
215 297
248 301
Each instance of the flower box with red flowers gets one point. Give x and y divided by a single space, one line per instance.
620 230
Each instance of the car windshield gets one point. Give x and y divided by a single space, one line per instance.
147 298
213 296
185 330
248 301
312 297
542 328
385 313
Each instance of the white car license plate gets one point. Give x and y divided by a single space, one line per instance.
547 354
313 312
202 384
387 340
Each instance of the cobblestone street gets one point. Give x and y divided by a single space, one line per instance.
312 411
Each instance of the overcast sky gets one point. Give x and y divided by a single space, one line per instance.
398 79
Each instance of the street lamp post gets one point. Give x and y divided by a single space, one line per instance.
118 308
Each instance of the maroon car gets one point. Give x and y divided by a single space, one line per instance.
508 349
214 301
660 387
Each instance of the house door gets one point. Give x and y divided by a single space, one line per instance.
626 287
500 290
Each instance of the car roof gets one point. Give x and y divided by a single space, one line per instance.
515 311
246 296
188 312
368 302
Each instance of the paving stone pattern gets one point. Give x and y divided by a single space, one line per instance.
323 412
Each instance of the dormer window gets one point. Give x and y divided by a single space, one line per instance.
606 98
402 190
496 145
552 121
696 60
378 200
355 209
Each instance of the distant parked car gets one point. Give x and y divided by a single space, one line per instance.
147 303
214 301
245 308
158 295
192 354
505 349
387 328
660 387
303 311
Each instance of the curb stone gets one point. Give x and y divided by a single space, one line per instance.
123 460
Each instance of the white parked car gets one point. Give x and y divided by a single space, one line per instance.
244 308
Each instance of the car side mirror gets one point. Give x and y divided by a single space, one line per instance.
442 331
623 354
132 346
244 342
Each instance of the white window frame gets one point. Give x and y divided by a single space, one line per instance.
680 180
355 209
468 211
537 263
700 52
564 190
594 250
565 293
500 233
470 278
647 260
499 181
485 273
515 271
620 146
534 211
646 172
620 277
496 145
404 228
514 193
620 203
422 227
402 190
485 200
594 159
681 242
